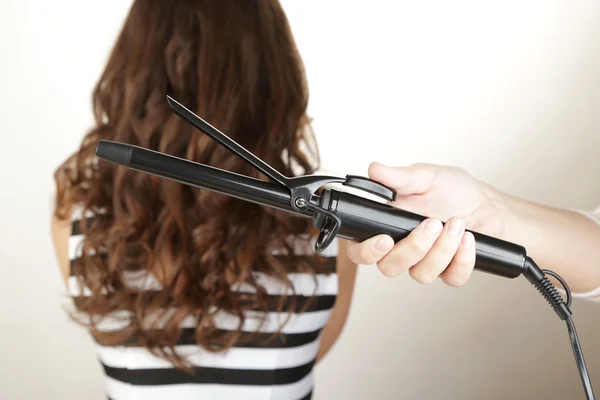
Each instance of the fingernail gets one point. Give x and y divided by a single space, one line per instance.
467 240
383 245
433 227
455 226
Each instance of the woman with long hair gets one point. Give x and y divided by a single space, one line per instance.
190 294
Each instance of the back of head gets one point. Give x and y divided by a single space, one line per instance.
235 64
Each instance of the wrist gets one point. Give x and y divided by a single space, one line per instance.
505 207
520 219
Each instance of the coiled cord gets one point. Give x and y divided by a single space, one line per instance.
547 289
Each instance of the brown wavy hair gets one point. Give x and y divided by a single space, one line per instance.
235 64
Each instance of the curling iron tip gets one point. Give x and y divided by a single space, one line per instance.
172 102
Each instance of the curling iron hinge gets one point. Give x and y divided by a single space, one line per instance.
302 188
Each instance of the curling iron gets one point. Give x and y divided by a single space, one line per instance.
334 212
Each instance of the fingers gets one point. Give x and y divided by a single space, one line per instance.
410 250
442 253
460 269
371 250
414 179
430 251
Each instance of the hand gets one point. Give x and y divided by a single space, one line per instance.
432 250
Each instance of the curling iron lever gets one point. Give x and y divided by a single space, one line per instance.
301 188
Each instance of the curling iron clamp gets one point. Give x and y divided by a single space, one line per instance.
334 212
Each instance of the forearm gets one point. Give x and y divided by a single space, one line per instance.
560 240
337 321
329 336
346 270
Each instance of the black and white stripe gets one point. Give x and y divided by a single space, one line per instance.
298 390
260 366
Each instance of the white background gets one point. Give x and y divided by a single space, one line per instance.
509 90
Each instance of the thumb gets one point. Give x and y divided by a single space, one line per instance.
410 180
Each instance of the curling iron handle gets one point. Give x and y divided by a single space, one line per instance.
363 218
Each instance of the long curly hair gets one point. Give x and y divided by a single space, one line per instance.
235 64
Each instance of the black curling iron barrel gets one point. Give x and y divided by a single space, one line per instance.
195 174
336 213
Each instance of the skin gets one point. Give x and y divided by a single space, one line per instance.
560 240
346 270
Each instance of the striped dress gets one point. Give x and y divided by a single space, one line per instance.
279 369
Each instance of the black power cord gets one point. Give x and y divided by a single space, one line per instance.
541 282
